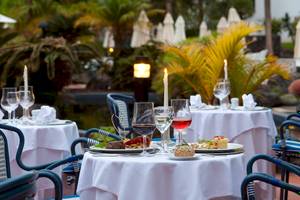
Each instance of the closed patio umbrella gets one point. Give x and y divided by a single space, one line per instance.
168 31
141 31
233 16
159 32
179 29
222 25
108 41
7 20
203 31
297 43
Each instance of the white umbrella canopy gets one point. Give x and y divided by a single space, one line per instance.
168 31
141 31
297 42
108 41
203 30
179 29
222 25
159 32
7 20
233 16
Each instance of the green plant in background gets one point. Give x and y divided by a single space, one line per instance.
196 67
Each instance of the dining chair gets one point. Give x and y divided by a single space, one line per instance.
121 109
24 186
247 186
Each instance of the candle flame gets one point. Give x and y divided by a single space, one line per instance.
166 71
225 62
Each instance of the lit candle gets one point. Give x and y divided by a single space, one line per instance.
166 88
225 70
25 77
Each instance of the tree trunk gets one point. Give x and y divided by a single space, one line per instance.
169 6
268 26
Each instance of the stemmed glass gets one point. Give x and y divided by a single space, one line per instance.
182 116
221 91
143 122
4 100
163 118
13 101
26 101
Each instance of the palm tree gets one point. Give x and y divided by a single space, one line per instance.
195 67
268 26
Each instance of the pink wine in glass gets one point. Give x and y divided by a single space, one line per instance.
181 123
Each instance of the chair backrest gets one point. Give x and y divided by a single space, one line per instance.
21 187
121 106
4 158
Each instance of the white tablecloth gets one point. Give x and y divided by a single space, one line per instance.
255 130
43 144
159 178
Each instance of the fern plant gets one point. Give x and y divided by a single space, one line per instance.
196 67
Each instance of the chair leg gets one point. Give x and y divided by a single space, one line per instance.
287 181
282 191
76 182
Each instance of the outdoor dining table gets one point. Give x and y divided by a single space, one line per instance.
255 130
112 177
43 144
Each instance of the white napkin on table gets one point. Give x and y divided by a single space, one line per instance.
46 114
196 101
248 101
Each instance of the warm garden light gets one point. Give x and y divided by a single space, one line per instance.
111 50
141 69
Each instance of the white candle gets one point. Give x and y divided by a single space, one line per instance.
225 70
25 77
166 88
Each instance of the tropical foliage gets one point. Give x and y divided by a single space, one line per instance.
196 67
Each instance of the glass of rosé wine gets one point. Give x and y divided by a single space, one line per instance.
182 116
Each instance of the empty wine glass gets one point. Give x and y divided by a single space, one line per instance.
13 101
182 116
163 118
143 122
4 100
26 101
221 91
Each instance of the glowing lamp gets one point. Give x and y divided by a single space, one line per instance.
141 68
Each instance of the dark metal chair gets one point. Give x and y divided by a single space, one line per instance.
287 148
121 108
247 188
22 186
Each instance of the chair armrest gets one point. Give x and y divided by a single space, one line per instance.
82 140
55 180
278 162
64 161
286 124
294 115
102 132
267 179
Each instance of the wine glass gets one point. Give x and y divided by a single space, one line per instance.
221 91
4 100
143 122
182 116
163 118
13 101
26 101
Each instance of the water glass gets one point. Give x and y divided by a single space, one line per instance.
26 101
234 103
221 91
13 101
163 118
5 100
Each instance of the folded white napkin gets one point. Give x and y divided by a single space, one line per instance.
196 101
248 101
45 115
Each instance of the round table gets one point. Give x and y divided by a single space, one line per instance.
43 144
133 177
255 130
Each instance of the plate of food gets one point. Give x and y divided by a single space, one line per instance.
219 144
127 146
183 152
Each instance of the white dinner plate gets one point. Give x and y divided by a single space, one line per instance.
121 151
173 157
230 148
256 108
